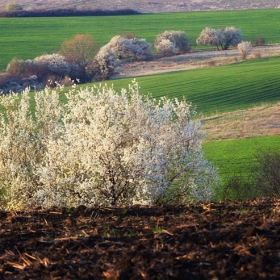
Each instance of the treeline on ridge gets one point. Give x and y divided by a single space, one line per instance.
67 13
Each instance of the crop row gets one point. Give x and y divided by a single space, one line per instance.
225 88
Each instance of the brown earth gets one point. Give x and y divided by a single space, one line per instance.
146 6
228 240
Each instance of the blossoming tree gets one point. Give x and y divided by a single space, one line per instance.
220 38
172 42
130 48
101 148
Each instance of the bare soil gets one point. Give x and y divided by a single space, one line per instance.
146 6
228 240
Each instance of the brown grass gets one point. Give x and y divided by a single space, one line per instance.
192 60
254 122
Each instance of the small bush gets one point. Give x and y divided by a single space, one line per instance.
237 187
66 81
257 54
128 35
266 174
3 79
244 48
259 42
17 68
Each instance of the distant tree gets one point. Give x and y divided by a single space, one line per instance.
13 7
244 48
212 37
172 42
130 48
55 63
103 66
220 38
79 50
233 36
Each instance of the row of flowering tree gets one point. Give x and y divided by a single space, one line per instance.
79 58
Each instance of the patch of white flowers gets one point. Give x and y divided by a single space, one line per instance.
220 38
245 47
106 63
172 42
135 48
55 63
101 148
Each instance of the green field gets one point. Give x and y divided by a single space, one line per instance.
30 37
224 88
215 89
236 156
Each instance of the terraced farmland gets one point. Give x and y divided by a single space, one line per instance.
27 38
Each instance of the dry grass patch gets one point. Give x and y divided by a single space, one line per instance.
193 60
254 122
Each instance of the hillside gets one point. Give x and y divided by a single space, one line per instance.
146 6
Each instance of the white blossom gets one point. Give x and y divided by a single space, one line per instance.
105 62
244 48
172 42
220 38
55 63
103 147
134 48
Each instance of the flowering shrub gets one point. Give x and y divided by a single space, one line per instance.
104 64
210 36
55 63
101 148
132 48
220 38
244 48
172 42
166 47
42 66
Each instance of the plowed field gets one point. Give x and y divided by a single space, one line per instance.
228 240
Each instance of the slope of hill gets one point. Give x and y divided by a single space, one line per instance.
146 6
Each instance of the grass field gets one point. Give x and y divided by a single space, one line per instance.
29 37
225 88
237 156
215 89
